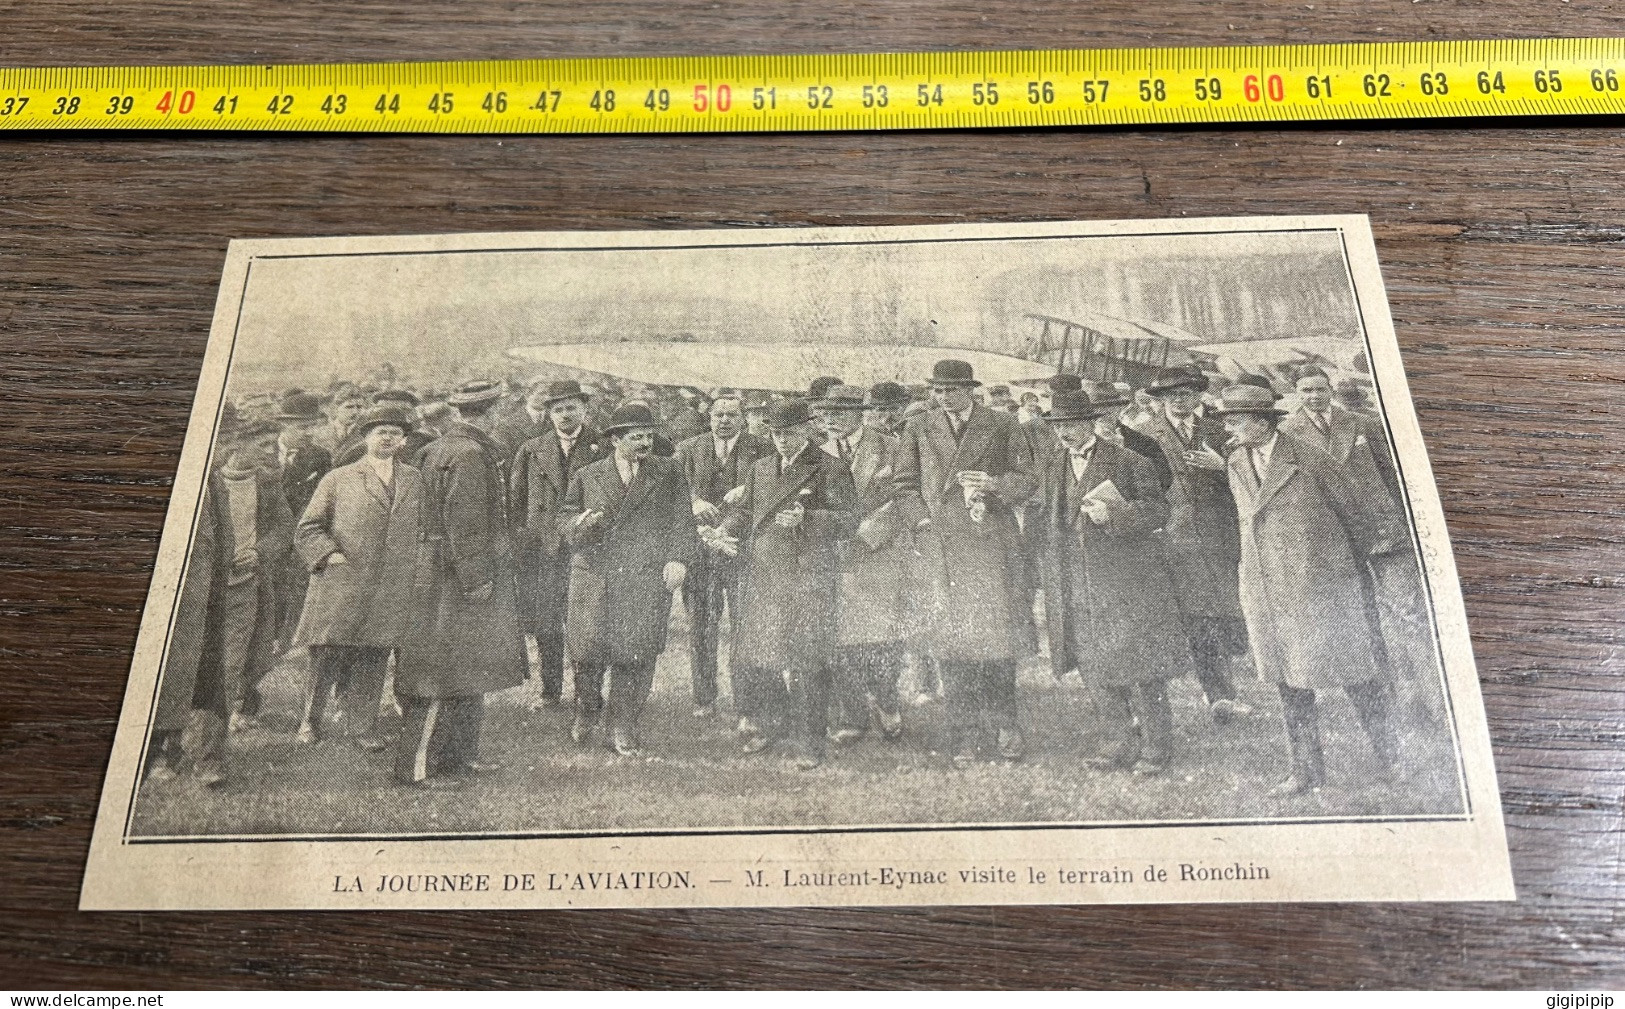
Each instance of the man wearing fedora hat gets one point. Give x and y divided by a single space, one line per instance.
358 541
467 644
715 464
627 518
538 480
1203 545
869 635
1106 588
302 464
961 472
1306 537
798 505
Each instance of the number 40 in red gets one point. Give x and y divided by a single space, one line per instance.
182 105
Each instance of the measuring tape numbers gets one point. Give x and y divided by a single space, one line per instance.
878 91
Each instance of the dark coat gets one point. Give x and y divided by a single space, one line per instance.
192 664
874 563
368 600
1306 534
974 595
1202 536
791 577
514 428
537 482
303 470
619 608
1111 606
709 480
463 646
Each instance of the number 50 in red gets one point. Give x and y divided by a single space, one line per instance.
705 98
1273 86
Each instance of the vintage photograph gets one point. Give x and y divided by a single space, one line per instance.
731 533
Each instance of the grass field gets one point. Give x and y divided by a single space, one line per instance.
693 775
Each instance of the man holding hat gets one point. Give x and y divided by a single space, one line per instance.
1203 546
798 505
961 472
1106 588
302 464
627 518
358 541
1306 537
715 464
869 634
468 643
539 478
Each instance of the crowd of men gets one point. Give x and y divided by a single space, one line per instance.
865 547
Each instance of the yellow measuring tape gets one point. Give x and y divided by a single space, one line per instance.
876 91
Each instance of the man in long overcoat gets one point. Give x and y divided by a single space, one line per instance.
1305 590
799 505
541 474
261 536
1358 442
869 637
467 642
188 725
1201 537
1108 595
715 464
359 538
628 520
303 463
961 471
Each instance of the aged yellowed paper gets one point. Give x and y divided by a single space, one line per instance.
1036 563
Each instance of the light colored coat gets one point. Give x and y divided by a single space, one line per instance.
366 601
1305 588
973 572
1360 443
874 561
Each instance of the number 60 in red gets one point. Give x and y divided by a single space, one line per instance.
723 97
1276 89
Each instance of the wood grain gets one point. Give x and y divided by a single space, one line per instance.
1502 248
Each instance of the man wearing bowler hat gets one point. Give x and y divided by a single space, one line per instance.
1203 545
539 478
715 464
303 464
869 635
627 519
1106 587
884 406
799 505
358 540
403 400
1306 537
961 472
467 644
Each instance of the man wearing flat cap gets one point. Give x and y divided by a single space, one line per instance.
715 464
799 505
869 634
961 472
1306 537
467 644
1203 546
539 478
1106 587
302 464
358 540
628 522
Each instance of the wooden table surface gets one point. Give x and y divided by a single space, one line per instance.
1503 246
